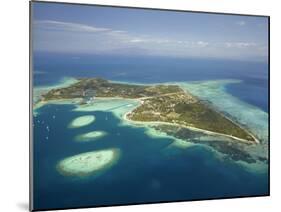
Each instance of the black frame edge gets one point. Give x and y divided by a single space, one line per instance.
31 203
269 141
146 8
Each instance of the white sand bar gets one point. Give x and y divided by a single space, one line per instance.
91 136
82 121
182 144
88 163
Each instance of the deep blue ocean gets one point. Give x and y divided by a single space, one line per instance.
254 89
146 171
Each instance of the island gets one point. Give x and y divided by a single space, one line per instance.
82 121
161 104
88 163
90 136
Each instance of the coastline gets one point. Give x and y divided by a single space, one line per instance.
125 116
190 128
251 116
72 101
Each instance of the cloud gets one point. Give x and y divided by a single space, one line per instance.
119 31
67 26
170 42
202 43
240 44
164 41
58 36
152 41
241 23
137 40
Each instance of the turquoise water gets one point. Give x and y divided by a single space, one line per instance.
151 167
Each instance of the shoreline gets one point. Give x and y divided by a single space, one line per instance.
190 128
72 101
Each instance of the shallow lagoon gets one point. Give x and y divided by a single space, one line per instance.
250 116
82 121
90 136
159 167
88 163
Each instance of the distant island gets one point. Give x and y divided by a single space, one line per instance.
159 104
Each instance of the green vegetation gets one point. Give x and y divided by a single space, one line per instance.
185 110
159 103
102 88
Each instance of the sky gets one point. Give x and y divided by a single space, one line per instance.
83 29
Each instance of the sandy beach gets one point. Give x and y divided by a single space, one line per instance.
90 136
139 100
190 128
82 121
88 163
